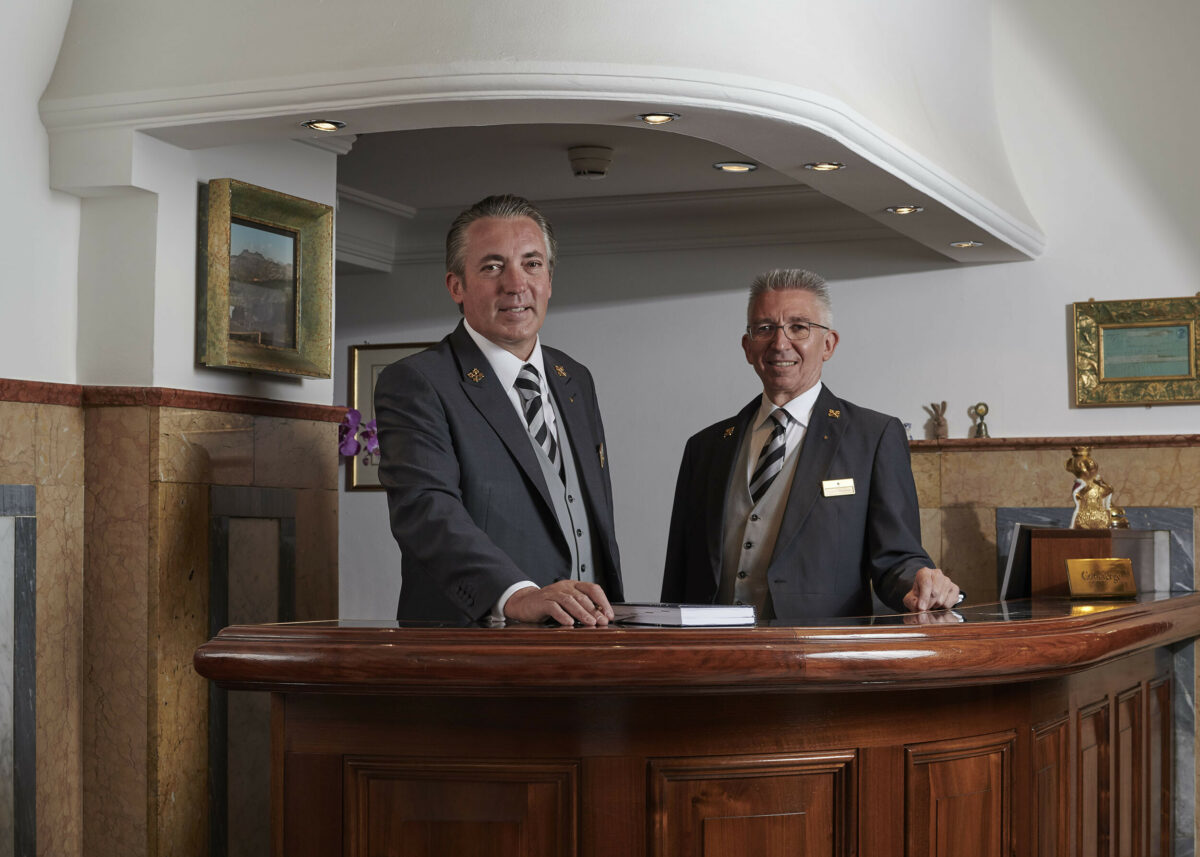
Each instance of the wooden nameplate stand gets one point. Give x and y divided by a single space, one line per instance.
1049 550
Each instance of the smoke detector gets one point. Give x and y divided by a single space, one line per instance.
590 162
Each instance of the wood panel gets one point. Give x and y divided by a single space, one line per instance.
959 796
1092 785
1158 769
768 806
1128 775
423 808
1051 789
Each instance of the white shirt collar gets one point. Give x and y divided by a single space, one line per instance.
799 409
504 363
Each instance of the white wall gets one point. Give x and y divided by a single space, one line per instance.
39 229
1083 90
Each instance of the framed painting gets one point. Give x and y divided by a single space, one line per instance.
266 281
1137 352
366 362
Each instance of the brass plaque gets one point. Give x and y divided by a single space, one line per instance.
1101 578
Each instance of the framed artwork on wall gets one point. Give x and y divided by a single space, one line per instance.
366 362
1137 352
265 281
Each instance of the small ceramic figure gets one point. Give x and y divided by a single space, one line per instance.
937 415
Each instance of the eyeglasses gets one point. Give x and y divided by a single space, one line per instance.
796 331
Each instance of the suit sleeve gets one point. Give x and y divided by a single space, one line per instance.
421 471
892 542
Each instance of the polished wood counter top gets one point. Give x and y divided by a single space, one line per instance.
986 644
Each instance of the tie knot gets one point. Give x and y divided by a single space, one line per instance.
781 418
528 382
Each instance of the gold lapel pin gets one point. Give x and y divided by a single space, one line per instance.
729 431
835 414
562 373
600 449
475 375
571 398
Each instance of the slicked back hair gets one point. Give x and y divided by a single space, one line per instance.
792 279
505 206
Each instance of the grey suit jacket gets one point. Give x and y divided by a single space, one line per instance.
830 548
469 505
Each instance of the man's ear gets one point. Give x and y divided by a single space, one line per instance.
454 285
746 348
831 341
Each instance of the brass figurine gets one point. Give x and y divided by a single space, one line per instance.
1093 496
980 411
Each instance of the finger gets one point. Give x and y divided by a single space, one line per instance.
580 608
599 599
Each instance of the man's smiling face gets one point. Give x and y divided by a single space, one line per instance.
788 368
505 284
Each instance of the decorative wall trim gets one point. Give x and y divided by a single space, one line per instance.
165 397
995 444
40 392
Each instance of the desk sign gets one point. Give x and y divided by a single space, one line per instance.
1101 578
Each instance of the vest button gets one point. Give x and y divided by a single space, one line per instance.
748 545
583 567
570 498
579 532
754 517
741 575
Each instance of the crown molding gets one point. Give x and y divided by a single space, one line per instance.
339 145
379 203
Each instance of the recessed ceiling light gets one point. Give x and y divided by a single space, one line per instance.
825 166
324 124
904 209
963 245
735 166
660 118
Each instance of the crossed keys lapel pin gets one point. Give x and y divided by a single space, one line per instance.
475 375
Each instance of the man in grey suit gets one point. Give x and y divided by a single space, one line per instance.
802 501
492 447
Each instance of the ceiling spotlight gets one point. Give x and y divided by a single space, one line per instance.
735 166
661 118
963 245
825 166
904 209
324 124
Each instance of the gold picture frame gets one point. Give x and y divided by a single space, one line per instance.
366 362
1137 352
265 281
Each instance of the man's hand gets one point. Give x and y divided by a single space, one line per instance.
566 602
931 590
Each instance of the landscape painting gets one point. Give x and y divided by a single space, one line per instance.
262 285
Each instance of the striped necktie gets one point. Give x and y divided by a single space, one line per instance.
529 386
770 460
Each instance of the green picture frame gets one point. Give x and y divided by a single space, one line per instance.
265 295
1137 352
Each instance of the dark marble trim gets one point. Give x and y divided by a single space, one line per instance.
19 503
994 444
227 502
40 392
164 397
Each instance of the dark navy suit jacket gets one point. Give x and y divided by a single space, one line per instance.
469 505
830 548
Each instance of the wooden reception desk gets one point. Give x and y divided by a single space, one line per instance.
1029 728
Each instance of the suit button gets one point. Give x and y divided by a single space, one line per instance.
749 545
741 575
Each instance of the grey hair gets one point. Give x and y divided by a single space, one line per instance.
788 279
505 206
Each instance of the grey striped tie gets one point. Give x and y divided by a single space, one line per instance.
770 460
529 386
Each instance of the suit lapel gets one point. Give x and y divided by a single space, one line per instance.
725 458
821 439
483 389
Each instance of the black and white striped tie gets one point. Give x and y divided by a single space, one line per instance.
770 460
529 386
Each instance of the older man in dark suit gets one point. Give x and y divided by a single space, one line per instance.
492 447
803 501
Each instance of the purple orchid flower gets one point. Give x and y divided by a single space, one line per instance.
347 445
369 436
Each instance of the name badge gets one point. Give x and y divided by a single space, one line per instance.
837 487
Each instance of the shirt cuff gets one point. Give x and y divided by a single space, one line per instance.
498 610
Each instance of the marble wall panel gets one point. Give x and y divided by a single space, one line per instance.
18 423
316 554
60 623
1162 476
968 550
1006 478
116 660
205 447
931 534
179 624
280 446
59 445
927 473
